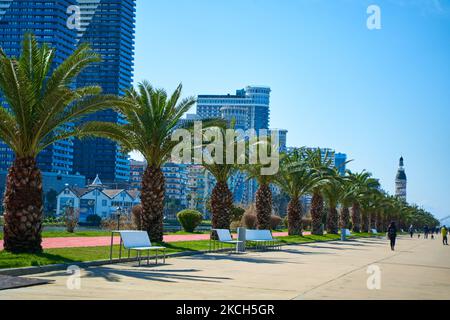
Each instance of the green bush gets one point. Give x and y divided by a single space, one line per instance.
2 220
237 213
189 219
94 220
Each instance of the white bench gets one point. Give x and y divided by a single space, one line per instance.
224 237
261 238
140 242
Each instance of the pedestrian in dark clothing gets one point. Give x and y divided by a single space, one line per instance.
426 231
392 234
411 231
444 232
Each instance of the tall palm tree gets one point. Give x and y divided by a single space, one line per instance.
263 195
151 116
42 107
362 184
346 201
333 191
321 165
296 179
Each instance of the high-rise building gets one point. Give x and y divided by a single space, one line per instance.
340 160
401 181
108 27
47 20
249 107
137 169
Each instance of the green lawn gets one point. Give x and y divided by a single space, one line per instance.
70 255
95 233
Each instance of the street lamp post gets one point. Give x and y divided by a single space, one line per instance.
119 213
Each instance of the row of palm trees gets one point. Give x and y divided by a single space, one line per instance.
43 107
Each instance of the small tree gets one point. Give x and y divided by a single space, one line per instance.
71 218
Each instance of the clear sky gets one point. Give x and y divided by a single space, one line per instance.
373 94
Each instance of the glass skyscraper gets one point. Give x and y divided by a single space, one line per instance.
108 26
47 20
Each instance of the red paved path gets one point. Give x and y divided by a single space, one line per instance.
57 243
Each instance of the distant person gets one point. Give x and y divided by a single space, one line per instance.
444 232
392 234
426 230
411 231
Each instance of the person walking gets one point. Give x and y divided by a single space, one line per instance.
392 234
426 230
411 231
444 232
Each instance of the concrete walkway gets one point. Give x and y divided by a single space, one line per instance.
419 269
85 242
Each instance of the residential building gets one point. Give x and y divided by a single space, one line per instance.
250 107
52 185
108 26
95 199
176 177
137 169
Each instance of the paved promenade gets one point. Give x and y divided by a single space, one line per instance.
419 269
85 242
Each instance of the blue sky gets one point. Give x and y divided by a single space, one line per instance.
373 94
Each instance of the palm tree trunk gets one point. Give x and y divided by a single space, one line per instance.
23 203
344 219
332 221
373 221
317 214
365 221
263 207
221 205
294 217
356 217
152 198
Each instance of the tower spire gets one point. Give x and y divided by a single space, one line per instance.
401 181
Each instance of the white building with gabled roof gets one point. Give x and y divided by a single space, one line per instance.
95 199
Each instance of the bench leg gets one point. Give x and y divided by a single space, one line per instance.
139 258
148 257
164 256
156 256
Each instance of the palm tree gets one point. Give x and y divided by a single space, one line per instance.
362 184
151 116
346 201
321 166
295 179
333 191
40 108
263 195
221 196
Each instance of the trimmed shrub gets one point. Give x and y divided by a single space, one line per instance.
249 221
189 219
237 213
2 220
94 220
275 221
137 216
126 223
71 218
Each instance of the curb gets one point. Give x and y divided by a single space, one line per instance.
18 272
